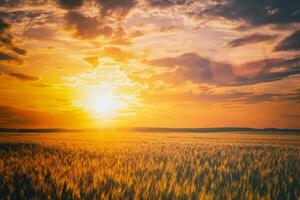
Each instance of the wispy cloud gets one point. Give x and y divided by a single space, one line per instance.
290 43
256 12
250 39
192 67
10 51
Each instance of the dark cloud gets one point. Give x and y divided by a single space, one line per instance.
292 42
116 8
19 76
250 39
5 37
87 27
19 50
272 70
165 3
9 3
7 57
7 44
17 117
293 97
21 3
259 98
257 12
291 116
23 77
10 116
29 18
192 67
3 25
70 4
111 12
19 15
7 71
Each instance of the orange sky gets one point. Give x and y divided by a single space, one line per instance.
163 63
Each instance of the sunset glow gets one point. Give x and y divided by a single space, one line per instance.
103 102
167 63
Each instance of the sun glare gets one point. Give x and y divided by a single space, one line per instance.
102 102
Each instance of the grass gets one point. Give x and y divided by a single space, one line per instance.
149 166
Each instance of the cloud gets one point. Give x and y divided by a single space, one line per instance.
39 33
7 57
112 8
292 42
6 71
256 12
116 8
70 4
85 26
197 69
18 117
291 116
203 97
117 54
272 70
166 3
250 39
92 60
274 97
3 26
224 98
111 13
120 37
9 3
137 33
19 51
19 76
7 43
10 116
294 97
23 77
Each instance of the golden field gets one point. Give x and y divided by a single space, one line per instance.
149 166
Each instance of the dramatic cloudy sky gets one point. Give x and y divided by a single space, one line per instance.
163 63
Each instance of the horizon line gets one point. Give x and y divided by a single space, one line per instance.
147 129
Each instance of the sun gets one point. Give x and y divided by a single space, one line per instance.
103 102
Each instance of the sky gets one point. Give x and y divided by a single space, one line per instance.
154 63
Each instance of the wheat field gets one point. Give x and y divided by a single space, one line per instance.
149 166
